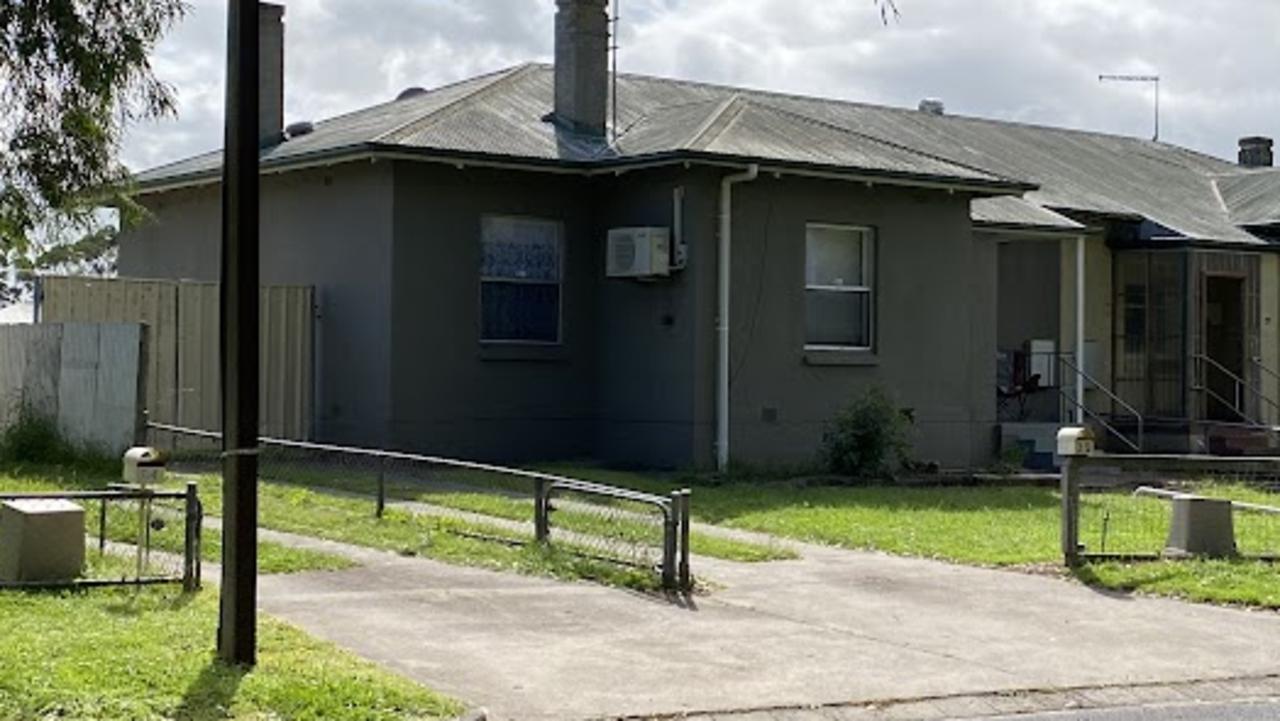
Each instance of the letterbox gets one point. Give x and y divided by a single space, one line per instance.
1075 441
143 466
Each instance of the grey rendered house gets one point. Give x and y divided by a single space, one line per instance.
459 240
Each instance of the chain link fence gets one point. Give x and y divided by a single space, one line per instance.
131 536
1136 507
596 521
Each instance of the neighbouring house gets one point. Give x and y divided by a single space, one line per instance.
505 271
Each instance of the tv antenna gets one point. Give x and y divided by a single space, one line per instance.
613 49
1153 79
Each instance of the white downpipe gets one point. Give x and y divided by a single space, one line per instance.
722 311
1080 291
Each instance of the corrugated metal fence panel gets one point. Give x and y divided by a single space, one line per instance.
286 365
152 302
198 370
78 381
118 397
29 360
182 345
85 376
43 356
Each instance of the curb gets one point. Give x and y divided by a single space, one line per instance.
1011 703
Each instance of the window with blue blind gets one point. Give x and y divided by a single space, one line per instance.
520 279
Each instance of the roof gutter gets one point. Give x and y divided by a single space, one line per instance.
724 261
1049 232
602 166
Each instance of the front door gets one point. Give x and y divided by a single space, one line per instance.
1224 345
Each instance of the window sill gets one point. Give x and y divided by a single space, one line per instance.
840 357
545 352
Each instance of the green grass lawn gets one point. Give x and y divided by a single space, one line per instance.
349 519
582 521
989 526
490 494
122 523
122 655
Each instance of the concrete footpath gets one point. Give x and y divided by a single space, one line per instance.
816 638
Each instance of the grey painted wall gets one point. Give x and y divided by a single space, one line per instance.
649 388
328 228
454 394
394 251
935 337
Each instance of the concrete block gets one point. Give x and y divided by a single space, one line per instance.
41 540
1201 527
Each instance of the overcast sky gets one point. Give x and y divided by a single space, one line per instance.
1029 60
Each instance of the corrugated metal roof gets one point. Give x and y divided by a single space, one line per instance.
1007 210
502 115
1252 197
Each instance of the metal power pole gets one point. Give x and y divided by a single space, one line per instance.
239 340
1153 79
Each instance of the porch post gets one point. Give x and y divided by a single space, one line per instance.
1080 290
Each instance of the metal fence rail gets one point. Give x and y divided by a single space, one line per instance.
134 536
595 520
1124 506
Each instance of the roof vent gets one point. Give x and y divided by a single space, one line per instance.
1255 152
299 129
932 106
412 92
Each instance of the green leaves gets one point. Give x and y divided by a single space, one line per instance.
75 74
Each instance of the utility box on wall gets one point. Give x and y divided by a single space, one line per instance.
41 540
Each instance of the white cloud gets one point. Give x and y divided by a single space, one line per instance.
1029 60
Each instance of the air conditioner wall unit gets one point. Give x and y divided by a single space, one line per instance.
638 253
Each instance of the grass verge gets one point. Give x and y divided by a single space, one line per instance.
988 526
508 498
349 519
116 654
122 523
580 521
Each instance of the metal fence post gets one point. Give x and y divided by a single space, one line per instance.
1071 510
102 527
382 489
541 508
191 548
670 529
686 581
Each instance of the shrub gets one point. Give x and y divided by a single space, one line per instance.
34 438
869 439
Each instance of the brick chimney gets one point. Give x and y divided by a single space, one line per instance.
270 73
1255 152
582 65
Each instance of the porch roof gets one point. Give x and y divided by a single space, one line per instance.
1009 211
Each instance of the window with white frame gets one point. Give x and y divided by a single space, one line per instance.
520 279
838 286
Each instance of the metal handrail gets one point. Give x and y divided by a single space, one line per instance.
1240 384
1080 374
1257 362
1102 421
1211 393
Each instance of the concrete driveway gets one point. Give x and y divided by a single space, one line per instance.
836 627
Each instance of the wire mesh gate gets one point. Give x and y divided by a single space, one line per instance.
1126 507
134 536
617 524
598 521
